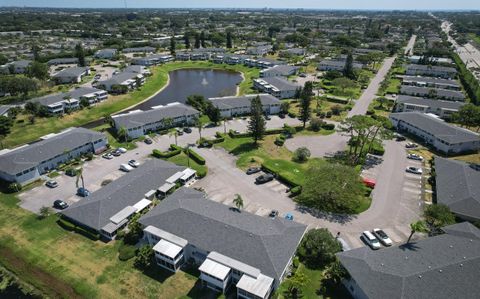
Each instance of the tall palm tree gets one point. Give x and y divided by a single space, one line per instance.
122 133
199 126
173 132
79 176
418 226
238 202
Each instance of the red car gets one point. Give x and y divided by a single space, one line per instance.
369 183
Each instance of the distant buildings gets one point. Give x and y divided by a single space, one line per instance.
430 82
437 93
259 50
153 59
18 67
71 75
140 50
106 53
122 82
279 70
443 109
336 65
58 61
429 70
276 86
241 105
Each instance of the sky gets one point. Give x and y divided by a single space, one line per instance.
312 4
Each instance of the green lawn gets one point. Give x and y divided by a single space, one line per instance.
23 131
393 86
183 160
475 38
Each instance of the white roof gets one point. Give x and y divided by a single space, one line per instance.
167 248
232 263
123 214
187 173
142 204
257 286
166 187
214 269
150 193
174 178
166 235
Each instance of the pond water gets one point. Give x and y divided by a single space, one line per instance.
185 82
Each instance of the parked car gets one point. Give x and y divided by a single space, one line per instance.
369 182
273 214
179 132
411 145
60 204
126 167
399 137
253 170
414 170
382 236
83 192
187 130
133 163
107 156
370 240
289 216
148 141
51 184
264 178
116 153
303 75
415 157
122 150
267 117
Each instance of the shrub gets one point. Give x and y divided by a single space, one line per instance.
329 114
296 190
370 112
89 156
195 156
126 252
164 155
316 124
327 126
292 114
301 154
336 109
14 187
201 173
79 230
280 140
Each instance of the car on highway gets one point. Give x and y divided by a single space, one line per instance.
133 163
107 156
187 130
253 170
414 170
51 184
83 192
273 214
122 150
126 167
148 141
370 240
411 145
415 157
382 236
60 204
264 178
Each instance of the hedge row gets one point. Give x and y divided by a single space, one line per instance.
279 175
79 230
164 155
337 100
195 156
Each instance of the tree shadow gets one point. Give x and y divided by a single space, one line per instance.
331 217
157 273
411 246
243 148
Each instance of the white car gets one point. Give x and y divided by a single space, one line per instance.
411 145
133 163
107 156
122 150
371 240
415 157
126 167
382 236
414 170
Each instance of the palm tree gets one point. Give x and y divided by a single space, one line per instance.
418 226
173 132
167 122
295 285
238 202
79 175
122 133
199 126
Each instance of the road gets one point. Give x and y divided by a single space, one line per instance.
410 45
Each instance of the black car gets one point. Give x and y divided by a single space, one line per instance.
264 178
253 170
148 141
116 153
273 214
60 204
187 130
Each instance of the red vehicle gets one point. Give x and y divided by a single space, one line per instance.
369 182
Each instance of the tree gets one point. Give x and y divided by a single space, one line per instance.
318 248
79 175
256 124
202 39
238 201
381 102
144 258
284 106
3 59
301 154
415 227
173 132
172 45
44 212
80 54
343 83
135 231
35 52
213 113
197 40
294 285
199 126
438 216
123 133
6 124
468 115
37 70
348 69
332 188
186 39
229 40
316 124
305 100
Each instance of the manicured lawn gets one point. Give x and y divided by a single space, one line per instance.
23 131
65 264
383 110
475 37
393 86
320 106
182 160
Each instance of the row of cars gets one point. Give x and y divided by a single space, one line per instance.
262 179
375 238
413 169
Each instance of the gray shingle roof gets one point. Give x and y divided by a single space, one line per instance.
30 156
140 118
431 80
243 101
58 97
281 83
119 78
422 67
96 210
72 60
283 70
458 187
433 104
71 72
439 92
437 127
257 241
444 266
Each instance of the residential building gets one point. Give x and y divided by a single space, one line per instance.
27 163
58 61
336 65
430 82
429 70
108 210
276 86
416 59
443 109
18 67
235 59
182 56
138 122
262 62
241 105
279 70
140 50
440 135
250 252
294 51
71 75
106 53
153 59
59 103
128 79
457 187
138 69
438 93
442 267
259 50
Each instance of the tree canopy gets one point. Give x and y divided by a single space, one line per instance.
318 248
256 125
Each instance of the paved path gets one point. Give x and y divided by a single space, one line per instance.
410 45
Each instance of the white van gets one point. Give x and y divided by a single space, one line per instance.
370 239
126 167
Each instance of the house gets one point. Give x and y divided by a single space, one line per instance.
279 70
108 210
438 93
457 187
27 163
241 105
182 56
138 122
18 67
106 53
432 71
59 103
58 61
71 75
430 82
416 59
440 135
235 59
4 109
122 82
153 59
276 86
442 267
259 50
138 69
336 65
293 51
443 109
140 50
230 249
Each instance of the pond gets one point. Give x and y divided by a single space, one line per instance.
185 82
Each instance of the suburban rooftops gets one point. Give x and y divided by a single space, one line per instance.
433 104
71 72
421 67
243 101
32 155
73 94
279 82
266 244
